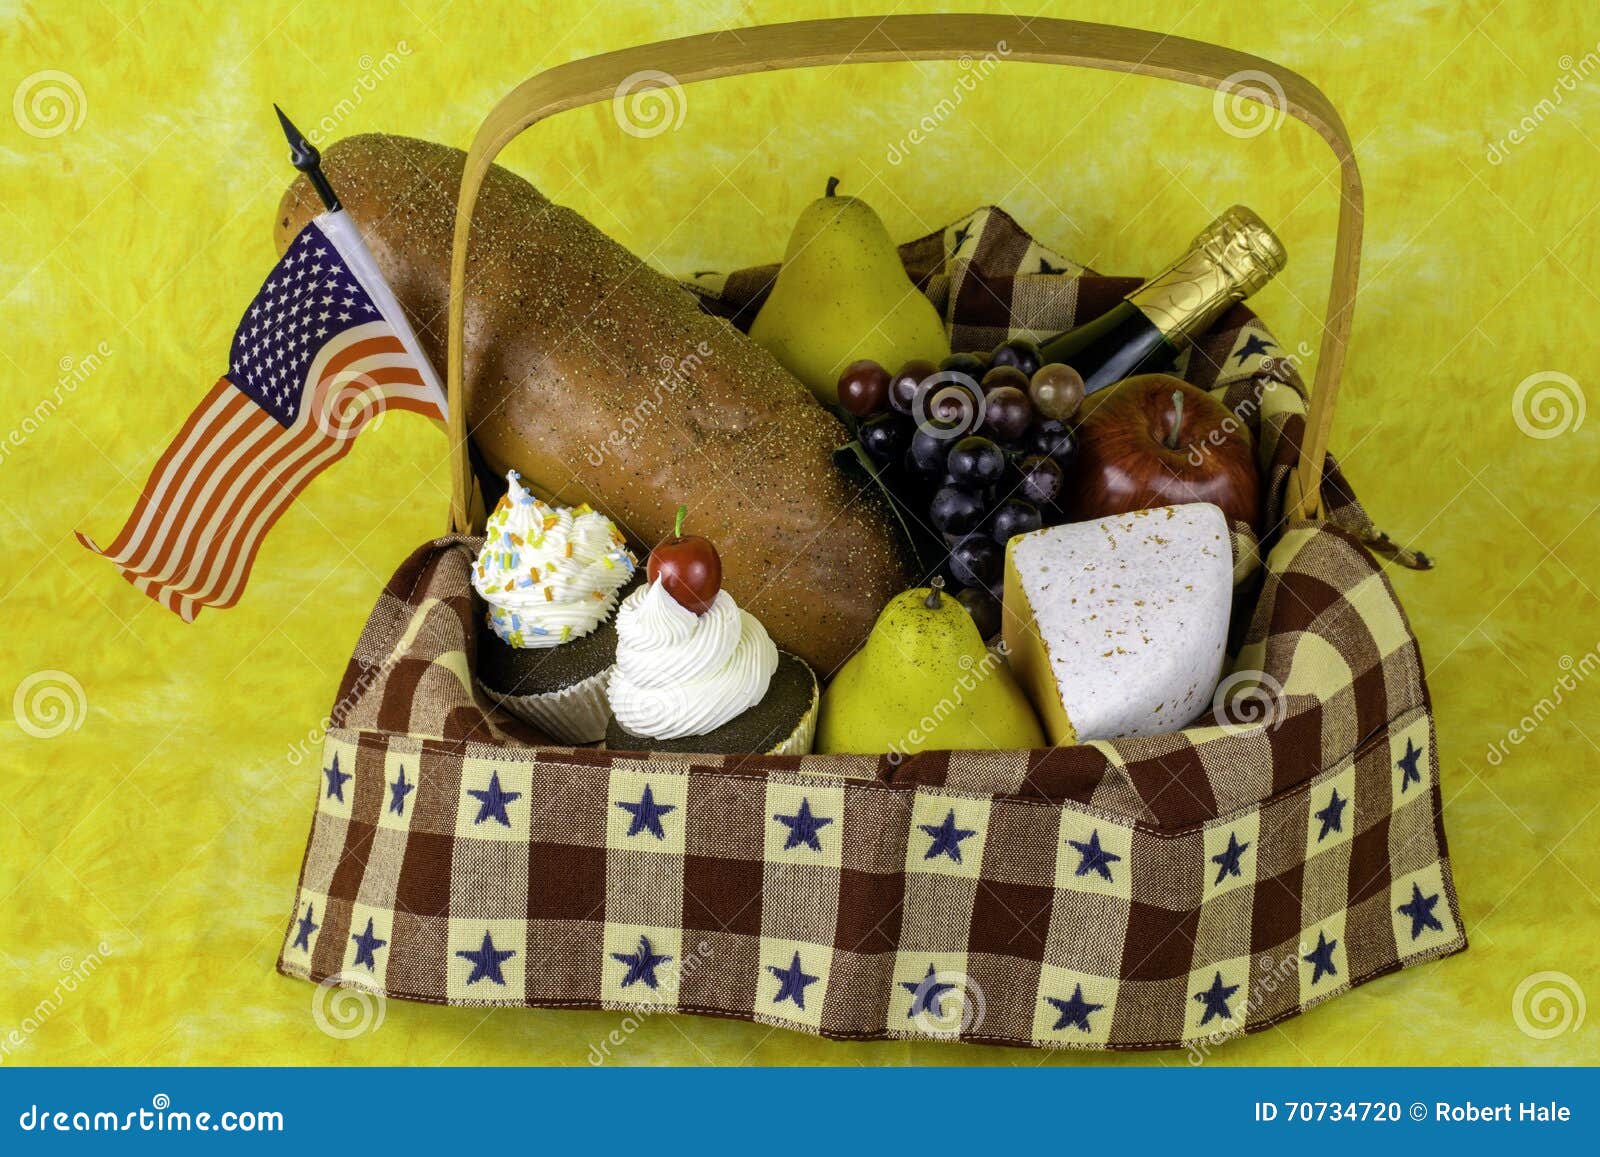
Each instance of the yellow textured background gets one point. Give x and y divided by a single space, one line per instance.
158 837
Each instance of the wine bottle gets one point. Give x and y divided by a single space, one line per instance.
1145 332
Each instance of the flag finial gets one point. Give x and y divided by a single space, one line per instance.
304 156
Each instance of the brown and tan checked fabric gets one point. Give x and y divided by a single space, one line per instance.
1148 893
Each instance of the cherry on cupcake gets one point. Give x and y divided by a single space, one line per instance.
687 566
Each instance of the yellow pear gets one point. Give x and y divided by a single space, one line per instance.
924 681
841 295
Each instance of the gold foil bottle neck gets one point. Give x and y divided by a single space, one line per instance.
1231 259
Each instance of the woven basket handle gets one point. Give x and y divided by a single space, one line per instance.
866 39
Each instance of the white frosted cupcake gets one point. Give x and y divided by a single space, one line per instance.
551 577
706 676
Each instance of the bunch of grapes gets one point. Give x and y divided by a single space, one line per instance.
981 443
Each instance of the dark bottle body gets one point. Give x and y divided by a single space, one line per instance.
1144 332
1118 344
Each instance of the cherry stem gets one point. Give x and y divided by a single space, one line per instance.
677 526
1177 419
935 586
833 183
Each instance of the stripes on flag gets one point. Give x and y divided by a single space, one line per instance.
314 361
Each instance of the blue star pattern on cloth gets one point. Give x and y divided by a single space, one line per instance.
1074 1011
1227 860
308 925
336 780
927 994
1216 999
946 838
398 790
486 961
1332 816
642 964
1410 773
492 801
1420 909
1092 857
647 814
1321 958
1253 344
792 982
803 827
366 945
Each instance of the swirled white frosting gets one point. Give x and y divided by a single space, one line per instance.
548 573
679 673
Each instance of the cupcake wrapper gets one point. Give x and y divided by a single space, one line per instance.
800 740
576 714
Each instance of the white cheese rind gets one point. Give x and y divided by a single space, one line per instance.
1133 614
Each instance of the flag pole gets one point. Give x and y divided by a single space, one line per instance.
303 155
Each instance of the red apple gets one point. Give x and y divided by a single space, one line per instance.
1155 440
688 567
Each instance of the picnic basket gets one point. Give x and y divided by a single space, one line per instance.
1160 892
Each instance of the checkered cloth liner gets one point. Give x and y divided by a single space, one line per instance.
1144 893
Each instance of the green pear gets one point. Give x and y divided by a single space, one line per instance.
841 295
924 681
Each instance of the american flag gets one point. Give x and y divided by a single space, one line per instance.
322 350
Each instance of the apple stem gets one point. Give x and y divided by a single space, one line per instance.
935 586
1177 419
677 526
833 183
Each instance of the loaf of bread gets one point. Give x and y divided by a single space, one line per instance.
601 380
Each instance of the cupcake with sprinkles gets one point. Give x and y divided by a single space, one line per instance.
551 577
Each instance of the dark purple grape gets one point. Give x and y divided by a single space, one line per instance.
903 386
953 403
886 437
976 462
1007 414
1019 352
984 609
970 364
1041 479
930 446
955 510
975 561
1054 439
1002 376
864 388
1013 517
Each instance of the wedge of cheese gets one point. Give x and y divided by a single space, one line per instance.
1118 627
